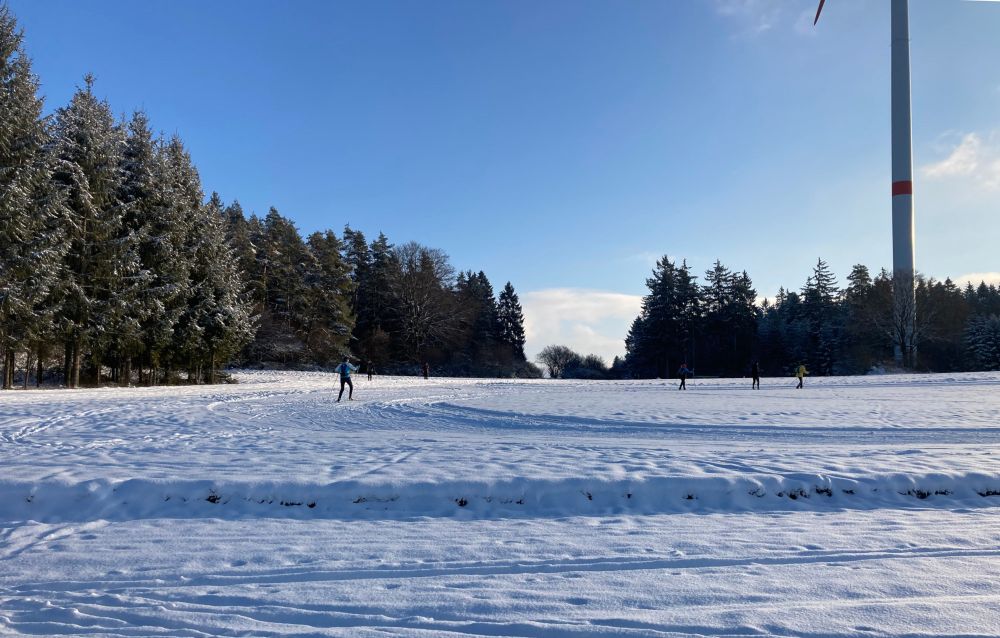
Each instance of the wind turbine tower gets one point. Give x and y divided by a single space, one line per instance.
904 311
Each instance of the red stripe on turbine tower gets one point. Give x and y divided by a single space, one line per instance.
904 187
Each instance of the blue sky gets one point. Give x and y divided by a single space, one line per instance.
564 145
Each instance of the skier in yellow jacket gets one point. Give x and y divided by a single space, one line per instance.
801 374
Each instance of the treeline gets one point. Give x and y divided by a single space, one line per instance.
110 260
392 307
115 268
718 329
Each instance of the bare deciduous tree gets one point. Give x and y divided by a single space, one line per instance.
558 359
906 324
421 291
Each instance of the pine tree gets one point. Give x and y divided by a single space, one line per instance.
358 259
864 344
239 233
510 327
216 321
377 330
717 291
331 321
661 338
477 348
385 268
688 309
31 209
744 317
88 146
167 249
860 284
722 318
820 309
982 341
143 200
364 299
283 261
652 335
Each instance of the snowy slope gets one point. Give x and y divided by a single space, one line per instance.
858 506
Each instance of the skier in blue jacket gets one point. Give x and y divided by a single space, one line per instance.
684 372
345 369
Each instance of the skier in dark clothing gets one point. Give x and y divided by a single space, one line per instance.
427 370
370 369
683 372
345 369
755 373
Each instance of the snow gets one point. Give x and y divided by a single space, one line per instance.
857 506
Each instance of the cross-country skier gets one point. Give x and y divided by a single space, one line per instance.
683 373
427 371
345 369
755 373
801 374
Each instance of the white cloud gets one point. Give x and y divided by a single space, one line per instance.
760 16
805 24
648 258
976 277
963 159
974 157
588 321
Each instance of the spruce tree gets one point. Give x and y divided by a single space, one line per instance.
744 317
480 322
982 341
167 250
510 327
283 261
372 268
331 321
717 327
216 321
822 313
384 270
143 200
661 338
377 330
358 259
239 238
100 257
31 210
688 308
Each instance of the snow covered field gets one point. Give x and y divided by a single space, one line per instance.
858 506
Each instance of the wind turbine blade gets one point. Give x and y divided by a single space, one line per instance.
819 10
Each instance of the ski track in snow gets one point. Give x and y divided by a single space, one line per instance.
856 507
